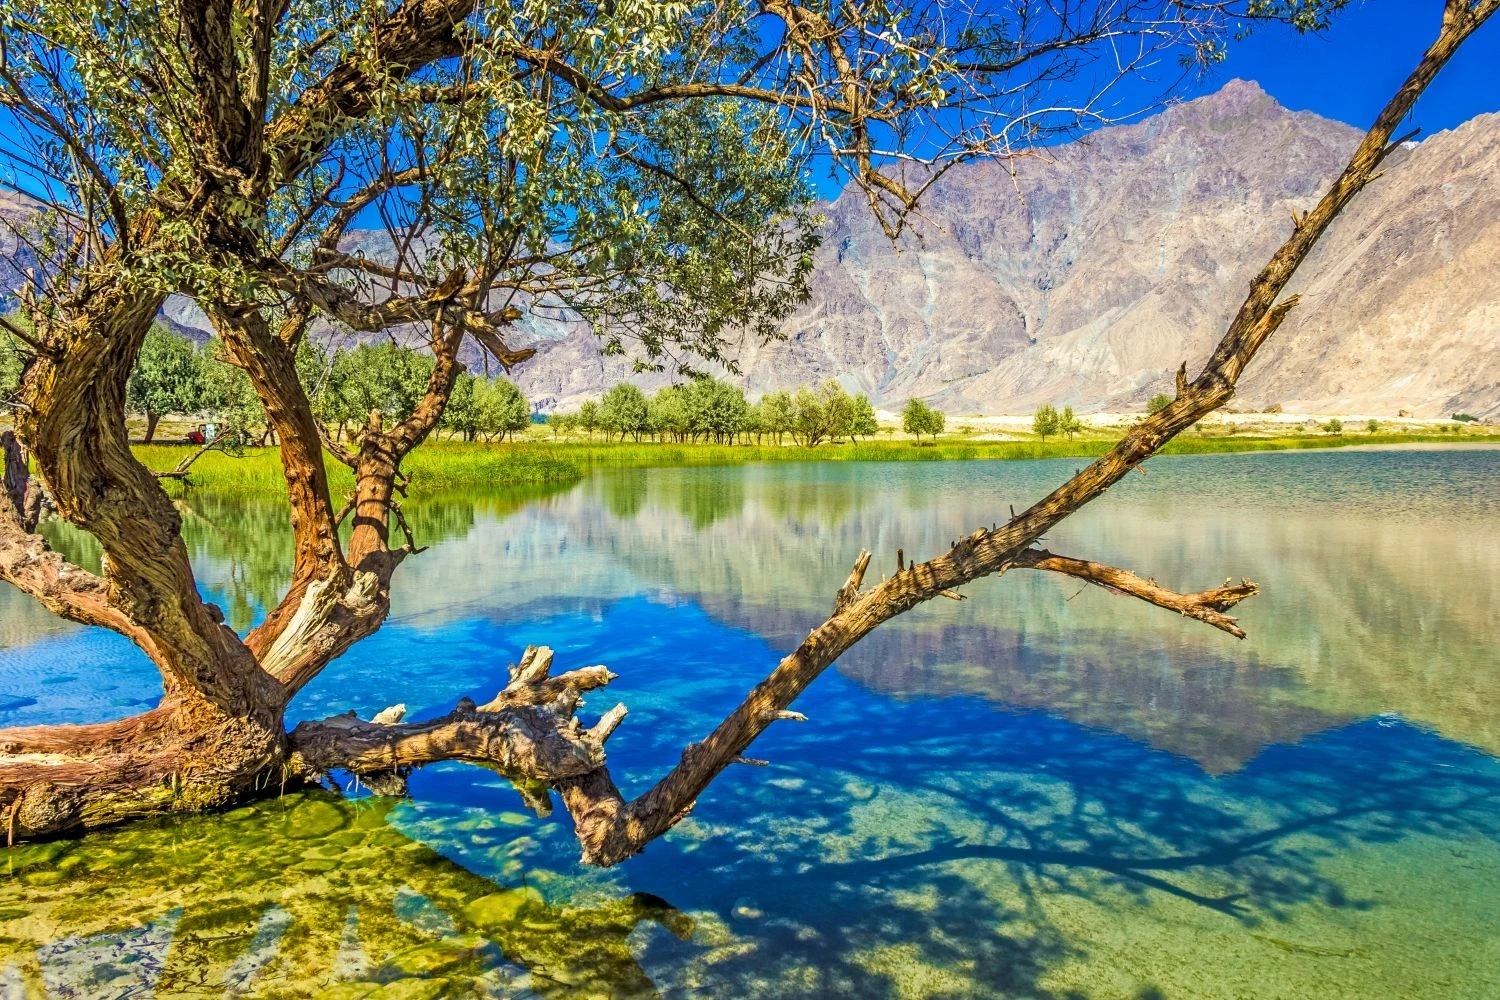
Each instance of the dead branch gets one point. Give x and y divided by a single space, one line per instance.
528 732
180 470
521 741
611 829
1207 606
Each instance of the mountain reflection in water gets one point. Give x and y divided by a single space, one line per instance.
1155 809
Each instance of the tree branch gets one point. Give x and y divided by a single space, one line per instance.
610 829
1206 606
271 364
527 732
182 468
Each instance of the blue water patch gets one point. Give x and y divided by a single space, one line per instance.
77 676
967 782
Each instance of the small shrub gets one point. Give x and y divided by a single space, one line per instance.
1158 402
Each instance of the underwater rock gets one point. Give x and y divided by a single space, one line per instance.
312 819
499 909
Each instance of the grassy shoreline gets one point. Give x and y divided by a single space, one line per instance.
433 467
446 465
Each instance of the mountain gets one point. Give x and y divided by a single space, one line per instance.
1086 275
17 215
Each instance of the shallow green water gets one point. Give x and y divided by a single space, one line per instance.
1037 792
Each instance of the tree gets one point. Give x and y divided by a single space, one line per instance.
715 409
1157 403
384 378
588 416
668 413
918 418
166 378
624 411
777 413
809 426
499 408
461 415
1334 426
1046 421
642 166
1373 426
1068 422
228 395
864 424
838 411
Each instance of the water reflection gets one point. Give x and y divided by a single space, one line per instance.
1380 598
1035 793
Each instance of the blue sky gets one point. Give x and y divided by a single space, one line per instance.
1347 73
1350 72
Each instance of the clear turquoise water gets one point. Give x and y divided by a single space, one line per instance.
1037 792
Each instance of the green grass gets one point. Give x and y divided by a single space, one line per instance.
434 467
447 465
631 454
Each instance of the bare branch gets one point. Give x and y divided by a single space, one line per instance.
1206 606
611 829
181 469
528 731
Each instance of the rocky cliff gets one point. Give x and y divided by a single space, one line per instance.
1087 275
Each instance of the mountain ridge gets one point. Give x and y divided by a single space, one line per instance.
1092 273
1084 274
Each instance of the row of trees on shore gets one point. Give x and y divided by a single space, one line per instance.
174 376
712 410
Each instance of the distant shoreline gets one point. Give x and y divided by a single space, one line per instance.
537 460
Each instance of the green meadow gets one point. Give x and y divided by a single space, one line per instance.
440 465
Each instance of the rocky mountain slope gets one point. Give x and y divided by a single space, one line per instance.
1089 275
1085 276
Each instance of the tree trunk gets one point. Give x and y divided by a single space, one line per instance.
152 419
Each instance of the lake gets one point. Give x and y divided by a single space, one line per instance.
1043 791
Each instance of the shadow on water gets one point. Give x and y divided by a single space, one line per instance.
985 866
935 867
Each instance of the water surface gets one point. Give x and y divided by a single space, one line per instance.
1039 792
